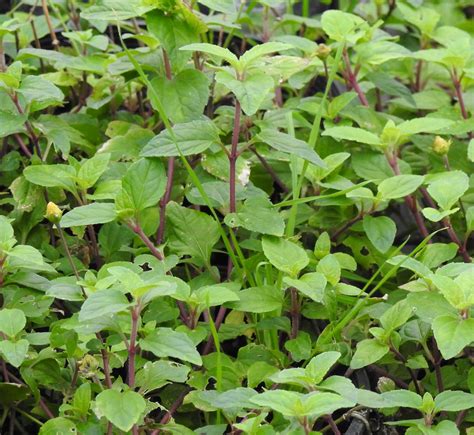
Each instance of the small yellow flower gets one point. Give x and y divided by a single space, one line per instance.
53 213
441 146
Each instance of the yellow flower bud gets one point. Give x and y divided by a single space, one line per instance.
323 51
441 146
53 213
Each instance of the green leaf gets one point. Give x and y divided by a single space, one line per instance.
58 425
157 374
353 134
40 93
423 125
142 186
259 215
82 399
250 91
191 137
281 401
91 170
192 233
261 50
453 401
285 255
434 215
396 316
6 230
299 347
399 186
113 10
367 352
402 398
122 409
452 334
448 187
12 321
91 214
320 365
470 150
14 352
381 231
103 303
310 284
330 267
62 176
288 144
11 123
342 26
164 342
214 50
186 94
263 299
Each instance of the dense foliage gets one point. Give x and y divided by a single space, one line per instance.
236 217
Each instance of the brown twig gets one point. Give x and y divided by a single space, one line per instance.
352 78
54 39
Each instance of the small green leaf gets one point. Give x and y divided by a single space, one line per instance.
353 134
91 214
402 398
103 303
186 94
262 299
192 233
288 144
164 342
453 334
454 401
320 365
122 409
399 186
92 169
12 321
285 255
214 50
330 267
58 425
381 231
191 137
259 215
142 186
251 91
367 352
14 352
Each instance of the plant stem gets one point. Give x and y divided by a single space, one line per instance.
29 127
105 362
138 230
54 39
410 200
295 313
402 358
68 252
164 201
233 157
332 424
459 95
353 79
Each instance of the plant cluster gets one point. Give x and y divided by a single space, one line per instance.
244 217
